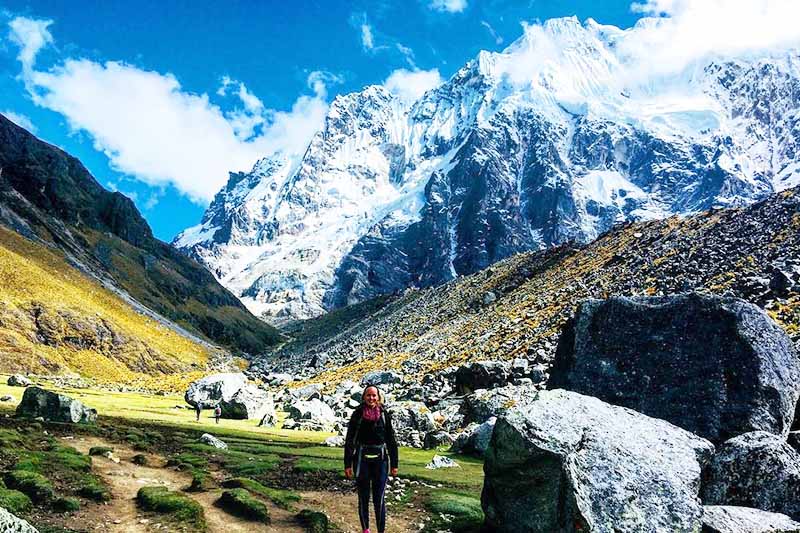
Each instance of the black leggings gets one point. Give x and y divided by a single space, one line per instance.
372 476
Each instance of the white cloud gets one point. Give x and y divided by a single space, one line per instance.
156 131
449 6
319 81
31 36
20 120
689 30
411 85
408 54
367 40
497 38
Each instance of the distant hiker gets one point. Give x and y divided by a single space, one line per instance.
370 447
198 409
217 413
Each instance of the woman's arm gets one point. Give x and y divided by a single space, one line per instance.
391 444
349 440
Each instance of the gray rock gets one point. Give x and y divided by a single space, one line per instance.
278 380
52 407
411 420
249 402
335 442
312 414
475 438
484 404
718 367
7 398
307 392
211 440
758 470
481 375
489 298
730 519
794 440
440 461
381 377
18 380
437 439
13 524
567 462
211 390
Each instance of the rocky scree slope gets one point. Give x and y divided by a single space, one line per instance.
49 197
517 307
520 150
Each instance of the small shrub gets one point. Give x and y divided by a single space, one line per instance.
313 521
67 505
14 501
179 507
100 450
37 487
93 489
284 499
241 503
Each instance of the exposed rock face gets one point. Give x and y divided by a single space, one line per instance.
411 421
475 438
312 414
485 404
211 440
12 524
758 470
247 403
731 519
18 380
590 467
209 391
481 375
37 402
718 367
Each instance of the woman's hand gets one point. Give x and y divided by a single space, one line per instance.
393 472
348 473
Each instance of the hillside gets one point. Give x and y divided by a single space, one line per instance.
49 197
56 320
517 307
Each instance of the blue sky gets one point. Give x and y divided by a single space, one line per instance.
160 99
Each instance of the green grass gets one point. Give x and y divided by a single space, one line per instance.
34 485
67 505
240 502
313 521
15 501
463 511
176 506
284 499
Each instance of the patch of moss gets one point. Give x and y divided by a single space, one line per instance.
67 505
284 499
313 521
177 506
201 480
93 489
463 511
14 501
240 502
37 487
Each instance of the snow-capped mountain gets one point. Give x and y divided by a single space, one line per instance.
548 141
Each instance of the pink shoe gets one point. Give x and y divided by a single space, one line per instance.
366 531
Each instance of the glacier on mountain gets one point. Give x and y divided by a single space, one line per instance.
553 139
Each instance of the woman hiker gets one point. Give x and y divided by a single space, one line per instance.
371 448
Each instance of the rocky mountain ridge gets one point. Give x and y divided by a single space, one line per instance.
520 150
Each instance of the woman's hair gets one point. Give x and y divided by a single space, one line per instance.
364 394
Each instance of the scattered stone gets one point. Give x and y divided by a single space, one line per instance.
308 392
440 461
484 404
18 380
381 377
481 375
437 439
730 519
313 414
758 470
249 402
718 367
591 467
211 440
49 406
7 398
411 421
475 438
211 390
335 442
12 524
489 298
278 380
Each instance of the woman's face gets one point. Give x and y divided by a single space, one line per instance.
371 397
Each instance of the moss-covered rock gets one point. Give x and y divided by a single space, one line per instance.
14 501
314 521
100 450
177 506
37 487
67 505
240 502
280 497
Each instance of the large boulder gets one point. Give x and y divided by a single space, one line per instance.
718 367
731 519
312 414
307 392
10 523
53 407
211 440
758 470
381 377
484 404
209 391
481 375
18 380
411 421
247 403
571 463
475 438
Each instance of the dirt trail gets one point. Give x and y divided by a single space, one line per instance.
125 479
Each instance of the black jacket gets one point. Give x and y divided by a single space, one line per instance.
360 431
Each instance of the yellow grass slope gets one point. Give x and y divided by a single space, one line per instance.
55 320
